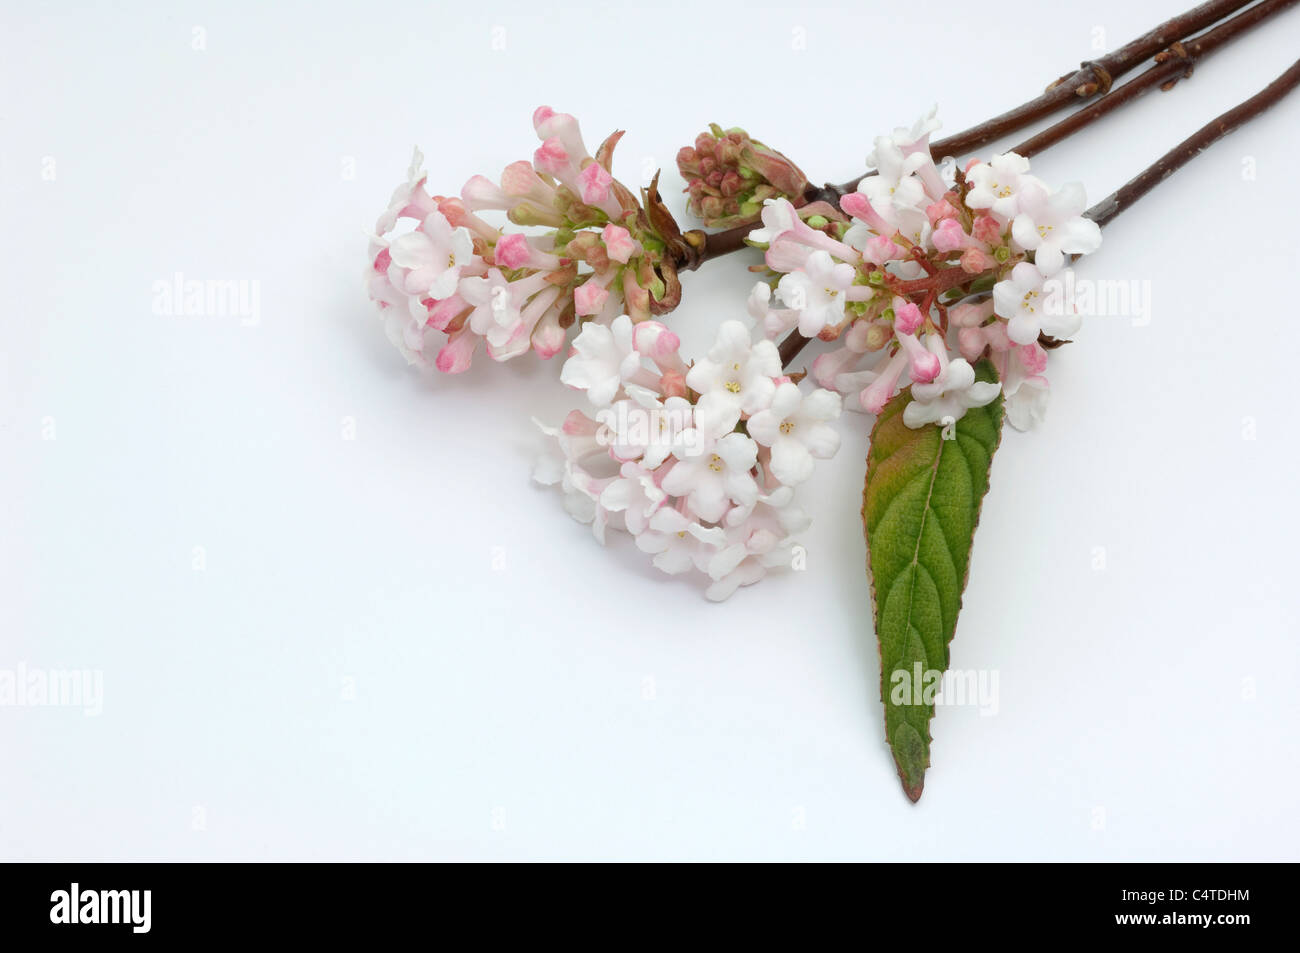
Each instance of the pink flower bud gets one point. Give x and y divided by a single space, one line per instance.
456 354
673 384
974 261
969 315
512 251
548 337
925 368
1033 357
589 298
987 230
876 394
653 340
832 364
948 236
442 313
595 182
970 341
856 204
924 364
541 115
551 158
519 178
619 243
880 250
908 319
938 211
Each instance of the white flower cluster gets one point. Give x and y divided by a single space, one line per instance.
904 281
454 279
699 462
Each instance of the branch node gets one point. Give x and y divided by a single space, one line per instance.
1104 79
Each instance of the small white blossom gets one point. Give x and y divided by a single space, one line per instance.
817 292
778 216
715 477
433 255
603 359
678 542
635 494
795 428
1051 225
1030 307
738 376
996 184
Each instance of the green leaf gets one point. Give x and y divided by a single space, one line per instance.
920 509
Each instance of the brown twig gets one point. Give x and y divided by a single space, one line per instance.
1171 65
1092 77
1172 62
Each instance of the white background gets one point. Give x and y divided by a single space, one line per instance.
1147 709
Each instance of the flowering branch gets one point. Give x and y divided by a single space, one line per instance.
1108 208
1092 77
1174 60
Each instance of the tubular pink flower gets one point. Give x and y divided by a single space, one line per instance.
802 232
876 394
516 251
442 313
949 236
880 249
519 180
859 206
924 365
454 210
970 343
456 354
831 364
519 339
786 254
482 194
656 342
562 127
548 337
971 314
